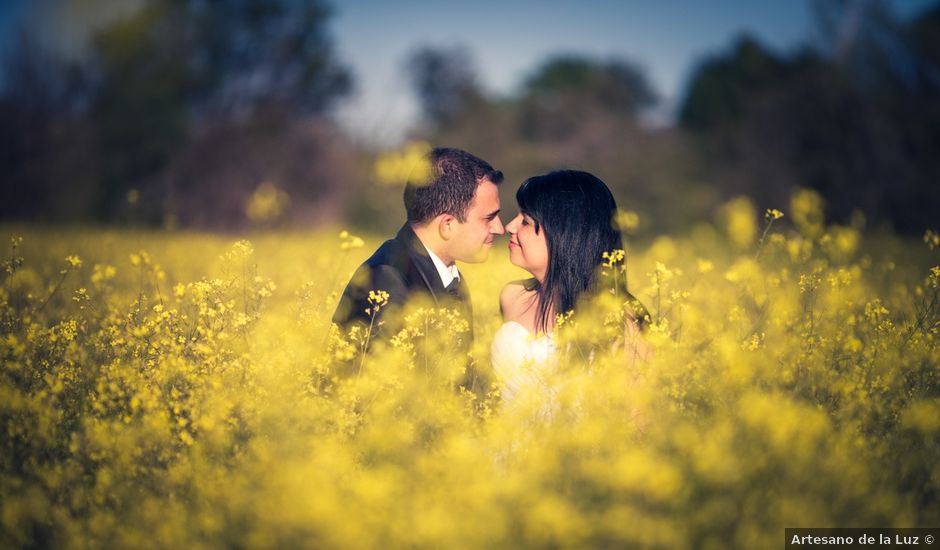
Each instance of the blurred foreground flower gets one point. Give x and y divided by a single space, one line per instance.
932 238
200 407
807 208
740 218
627 220
266 204
348 241
409 165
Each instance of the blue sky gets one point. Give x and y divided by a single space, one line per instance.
509 39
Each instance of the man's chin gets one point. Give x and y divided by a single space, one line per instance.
479 257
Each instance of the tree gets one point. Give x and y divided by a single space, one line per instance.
568 92
723 84
47 160
445 81
925 40
179 66
254 53
856 118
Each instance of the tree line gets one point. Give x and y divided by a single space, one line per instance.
175 115
854 115
182 111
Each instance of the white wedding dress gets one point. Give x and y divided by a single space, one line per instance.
525 367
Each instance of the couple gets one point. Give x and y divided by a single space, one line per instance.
564 226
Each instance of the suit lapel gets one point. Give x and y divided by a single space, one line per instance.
422 262
428 273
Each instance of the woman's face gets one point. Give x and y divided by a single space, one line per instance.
528 249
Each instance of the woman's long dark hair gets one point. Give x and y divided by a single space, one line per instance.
577 213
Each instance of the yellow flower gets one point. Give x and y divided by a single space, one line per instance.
663 249
754 343
784 368
740 218
841 242
80 295
266 204
378 299
773 214
806 206
562 319
349 242
809 282
922 415
627 220
932 238
102 273
934 278
613 257
241 250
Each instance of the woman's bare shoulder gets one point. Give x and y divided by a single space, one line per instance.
515 297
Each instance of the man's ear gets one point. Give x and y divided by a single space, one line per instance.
446 224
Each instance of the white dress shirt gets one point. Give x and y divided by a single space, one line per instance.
447 272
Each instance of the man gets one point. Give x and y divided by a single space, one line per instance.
451 218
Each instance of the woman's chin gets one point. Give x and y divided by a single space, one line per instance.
520 265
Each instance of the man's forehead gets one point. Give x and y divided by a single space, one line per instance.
486 195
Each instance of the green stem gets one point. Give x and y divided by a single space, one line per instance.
365 343
760 243
54 290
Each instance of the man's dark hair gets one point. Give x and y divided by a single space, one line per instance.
455 175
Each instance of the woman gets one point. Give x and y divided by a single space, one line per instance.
564 227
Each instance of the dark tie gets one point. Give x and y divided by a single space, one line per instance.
454 288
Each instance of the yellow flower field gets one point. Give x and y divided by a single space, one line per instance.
175 390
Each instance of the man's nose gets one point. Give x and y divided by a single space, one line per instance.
497 226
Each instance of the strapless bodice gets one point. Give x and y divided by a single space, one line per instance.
522 362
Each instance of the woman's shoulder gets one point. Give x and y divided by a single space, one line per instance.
516 296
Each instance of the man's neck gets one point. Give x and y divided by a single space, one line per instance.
432 242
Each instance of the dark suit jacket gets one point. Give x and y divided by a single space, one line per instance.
401 267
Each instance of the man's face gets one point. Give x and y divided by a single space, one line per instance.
473 238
